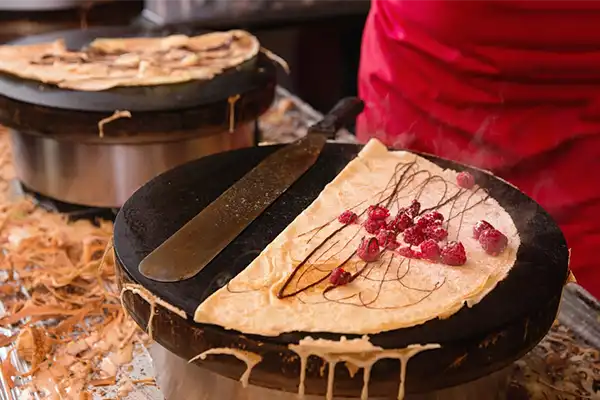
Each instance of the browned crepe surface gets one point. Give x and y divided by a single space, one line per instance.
109 63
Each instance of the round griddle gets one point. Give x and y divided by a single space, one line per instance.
475 341
196 107
33 106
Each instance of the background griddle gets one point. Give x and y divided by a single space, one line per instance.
517 313
194 107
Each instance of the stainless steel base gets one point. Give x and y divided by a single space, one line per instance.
179 380
106 174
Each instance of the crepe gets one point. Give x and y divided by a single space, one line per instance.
393 292
109 63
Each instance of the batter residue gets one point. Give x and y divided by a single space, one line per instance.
251 359
152 300
360 353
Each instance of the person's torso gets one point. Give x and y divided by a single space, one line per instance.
509 67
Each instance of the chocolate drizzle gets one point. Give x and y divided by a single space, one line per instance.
382 271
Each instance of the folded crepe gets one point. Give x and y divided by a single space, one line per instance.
286 288
109 63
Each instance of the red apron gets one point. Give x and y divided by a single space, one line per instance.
509 86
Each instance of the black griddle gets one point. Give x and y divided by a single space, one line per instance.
475 341
29 105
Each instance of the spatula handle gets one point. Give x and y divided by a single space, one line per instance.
344 112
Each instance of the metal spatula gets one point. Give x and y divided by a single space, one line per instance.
198 242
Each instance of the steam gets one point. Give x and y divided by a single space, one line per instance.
476 151
377 121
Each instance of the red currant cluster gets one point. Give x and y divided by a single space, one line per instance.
421 234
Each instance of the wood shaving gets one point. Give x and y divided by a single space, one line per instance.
64 317
33 344
145 381
104 382
6 340
116 115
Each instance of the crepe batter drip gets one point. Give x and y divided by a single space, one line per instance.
404 174
231 101
358 353
152 300
249 358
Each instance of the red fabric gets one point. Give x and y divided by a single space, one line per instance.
509 86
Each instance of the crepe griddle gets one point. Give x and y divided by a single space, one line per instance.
136 98
199 107
475 341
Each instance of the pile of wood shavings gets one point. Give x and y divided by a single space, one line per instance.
62 316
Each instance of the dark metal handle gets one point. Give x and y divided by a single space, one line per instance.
344 111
